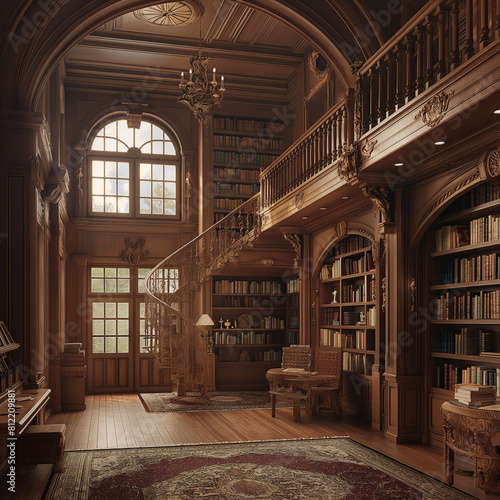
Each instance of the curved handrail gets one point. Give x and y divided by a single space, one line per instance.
171 332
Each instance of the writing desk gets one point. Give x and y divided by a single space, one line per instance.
471 431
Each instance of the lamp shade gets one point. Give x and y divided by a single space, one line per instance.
205 320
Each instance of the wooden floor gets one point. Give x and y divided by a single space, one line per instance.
120 421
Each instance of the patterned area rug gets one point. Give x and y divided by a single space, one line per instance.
326 469
212 401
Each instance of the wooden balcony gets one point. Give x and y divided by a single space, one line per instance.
437 79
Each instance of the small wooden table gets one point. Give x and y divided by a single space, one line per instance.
296 386
471 431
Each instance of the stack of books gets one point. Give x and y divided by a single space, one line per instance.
475 394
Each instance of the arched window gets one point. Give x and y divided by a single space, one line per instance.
134 172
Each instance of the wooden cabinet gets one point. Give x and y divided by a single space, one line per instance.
242 147
347 317
251 328
464 295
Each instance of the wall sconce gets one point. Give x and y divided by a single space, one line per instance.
205 321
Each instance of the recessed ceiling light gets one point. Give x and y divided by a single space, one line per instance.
345 197
497 111
399 164
322 208
439 143
305 217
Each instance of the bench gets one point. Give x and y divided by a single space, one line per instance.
42 444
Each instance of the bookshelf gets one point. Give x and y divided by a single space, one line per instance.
347 316
254 319
9 375
464 296
242 147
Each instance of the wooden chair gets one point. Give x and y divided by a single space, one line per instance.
327 361
299 358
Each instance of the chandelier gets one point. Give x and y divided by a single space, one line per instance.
200 94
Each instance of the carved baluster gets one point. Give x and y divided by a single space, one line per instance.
326 151
419 51
400 75
455 53
442 69
373 83
485 30
430 80
339 132
410 68
365 104
382 90
469 30
345 131
333 138
391 82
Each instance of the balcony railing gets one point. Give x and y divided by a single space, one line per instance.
315 151
442 37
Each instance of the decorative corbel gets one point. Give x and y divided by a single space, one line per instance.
382 202
57 184
493 162
349 162
367 149
296 241
134 113
133 252
433 111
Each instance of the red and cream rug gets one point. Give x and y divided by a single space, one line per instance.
326 469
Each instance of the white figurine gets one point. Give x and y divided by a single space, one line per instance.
334 297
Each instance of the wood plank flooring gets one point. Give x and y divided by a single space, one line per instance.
120 421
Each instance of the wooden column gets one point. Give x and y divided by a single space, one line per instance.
390 60
402 377
442 69
409 68
429 62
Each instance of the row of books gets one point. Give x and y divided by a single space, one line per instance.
273 302
231 188
236 158
479 230
475 394
481 194
269 287
227 204
349 244
265 128
252 355
484 304
354 293
329 271
332 317
466 270
353 362
355 340
467 341
331 338
449 375
242 174
243 141
237 337
354 265
293 285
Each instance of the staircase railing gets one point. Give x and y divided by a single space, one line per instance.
171 332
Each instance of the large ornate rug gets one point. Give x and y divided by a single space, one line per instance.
245 400
317 469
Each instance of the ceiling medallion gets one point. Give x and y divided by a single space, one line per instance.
171 13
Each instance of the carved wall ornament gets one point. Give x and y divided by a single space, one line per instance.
267 262
188 183
296 241
318 64
57 184
341 228
299 200
376 251
382 199
435 108
47 139
493 162
367 149
79 186
36 172
413 289
133 252
349 162
384 293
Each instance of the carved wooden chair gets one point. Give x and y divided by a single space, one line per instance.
293 358
327 361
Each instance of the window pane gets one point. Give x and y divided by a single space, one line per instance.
157 148
110 272
98 144
98 168
145 188
123 345
110 145
98 309
98 327
110 286
123 187
158 172
145 206
122 327
110 186
157 207
169 149
158 133
125 134
96 272
97 203
145 171
123 286
110 327
111 345
170 207
170 172
110 310
110 129
110 169
142 134
97 285
123 310
123 272
123 170
169 189
110 204
98 345
123 206
158 189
